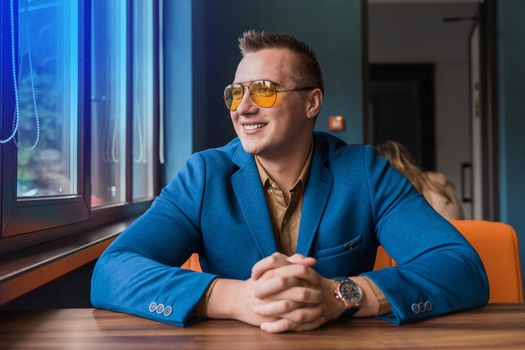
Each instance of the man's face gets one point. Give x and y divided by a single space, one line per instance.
273 131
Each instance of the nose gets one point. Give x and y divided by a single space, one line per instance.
247 106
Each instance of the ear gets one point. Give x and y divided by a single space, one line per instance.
313 106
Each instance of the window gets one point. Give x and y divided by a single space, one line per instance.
79 106
143 96
108 102
47 95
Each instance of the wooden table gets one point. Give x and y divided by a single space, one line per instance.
492 327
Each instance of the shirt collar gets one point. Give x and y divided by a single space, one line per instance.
301 181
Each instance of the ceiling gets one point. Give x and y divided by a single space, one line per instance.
415 31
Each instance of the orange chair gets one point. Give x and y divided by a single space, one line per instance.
496 244
192 263
382 259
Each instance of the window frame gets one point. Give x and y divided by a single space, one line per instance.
29 221
19 214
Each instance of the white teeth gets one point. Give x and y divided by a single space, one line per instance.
253 126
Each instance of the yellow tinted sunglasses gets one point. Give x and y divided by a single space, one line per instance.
262 92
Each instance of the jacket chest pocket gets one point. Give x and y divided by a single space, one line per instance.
341 260
351 245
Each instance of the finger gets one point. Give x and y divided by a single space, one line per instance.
276 308
279 326
301 259
269 286
284 325
299 294
286 277
270 262
310 325
305 314
291 310
278 260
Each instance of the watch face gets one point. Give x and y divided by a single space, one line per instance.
350 292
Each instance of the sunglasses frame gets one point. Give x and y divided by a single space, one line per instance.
249 84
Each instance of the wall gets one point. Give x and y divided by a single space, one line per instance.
511 86
332 28
178 85
453 121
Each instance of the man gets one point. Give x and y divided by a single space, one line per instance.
287 221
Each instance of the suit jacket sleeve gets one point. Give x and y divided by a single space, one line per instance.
140 271
439 271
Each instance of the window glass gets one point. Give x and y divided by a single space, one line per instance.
108 105
47 93
142 99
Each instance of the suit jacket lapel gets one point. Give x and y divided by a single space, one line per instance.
315 198
248 190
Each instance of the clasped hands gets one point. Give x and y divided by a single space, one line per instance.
286 294
283 293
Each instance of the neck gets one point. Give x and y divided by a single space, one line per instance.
286 167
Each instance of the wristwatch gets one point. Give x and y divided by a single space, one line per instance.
350 294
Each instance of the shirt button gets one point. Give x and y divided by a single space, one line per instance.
152 306
428 306
167 310
415 308
160 308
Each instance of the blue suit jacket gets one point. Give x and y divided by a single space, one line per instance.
353 202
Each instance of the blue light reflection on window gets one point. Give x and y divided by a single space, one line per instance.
108 102
142 86
47 38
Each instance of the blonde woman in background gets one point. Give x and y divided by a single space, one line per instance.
435 187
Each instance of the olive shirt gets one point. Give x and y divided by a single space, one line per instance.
286 217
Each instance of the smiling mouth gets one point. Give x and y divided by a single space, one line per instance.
253 126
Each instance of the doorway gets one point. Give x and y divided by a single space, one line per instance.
401 97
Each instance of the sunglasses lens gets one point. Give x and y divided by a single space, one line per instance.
233 96
263 93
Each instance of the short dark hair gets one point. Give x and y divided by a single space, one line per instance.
309 74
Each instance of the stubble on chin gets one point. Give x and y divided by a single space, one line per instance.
251 149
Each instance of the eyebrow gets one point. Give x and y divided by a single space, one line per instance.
251 81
